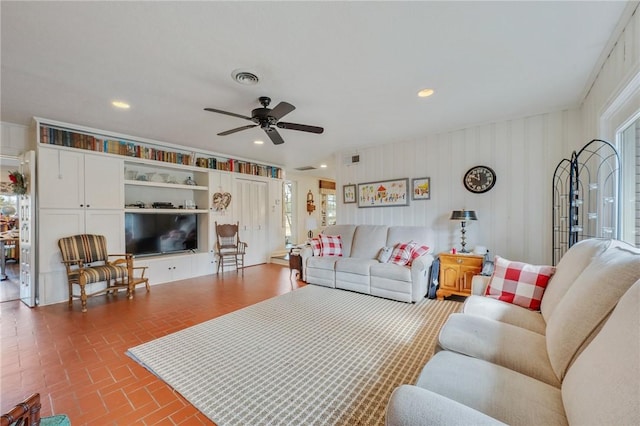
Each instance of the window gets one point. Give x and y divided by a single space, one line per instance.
328 209
287 214
629 145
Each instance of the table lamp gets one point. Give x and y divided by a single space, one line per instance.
310 225
463 216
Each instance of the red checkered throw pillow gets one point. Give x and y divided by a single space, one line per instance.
315 246
330 245
401 254
417 252
519 283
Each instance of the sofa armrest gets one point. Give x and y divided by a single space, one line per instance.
412 406
420 268
479 284
305 253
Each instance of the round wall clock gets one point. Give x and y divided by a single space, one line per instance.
479 179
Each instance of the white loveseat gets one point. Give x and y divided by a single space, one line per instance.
359 270
575 362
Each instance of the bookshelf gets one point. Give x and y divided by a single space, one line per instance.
70 136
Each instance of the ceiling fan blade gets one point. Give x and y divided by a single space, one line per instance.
238 129
274 135
301 127
228 113
282 109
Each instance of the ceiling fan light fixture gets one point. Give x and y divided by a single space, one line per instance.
245 78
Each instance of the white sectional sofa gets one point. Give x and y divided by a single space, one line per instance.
575 362
359 270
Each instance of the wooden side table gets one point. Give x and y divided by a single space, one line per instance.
456 273
295 261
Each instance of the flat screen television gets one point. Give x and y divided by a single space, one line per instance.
147 234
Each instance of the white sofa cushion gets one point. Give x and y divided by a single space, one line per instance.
571 265
591 299
602 386
499 392
503 344
411 406
368 240
346 233
507 313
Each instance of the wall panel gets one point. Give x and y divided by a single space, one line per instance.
514 217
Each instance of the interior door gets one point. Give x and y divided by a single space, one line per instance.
252 209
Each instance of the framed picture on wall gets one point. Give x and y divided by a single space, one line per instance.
421 188
349 194
386 193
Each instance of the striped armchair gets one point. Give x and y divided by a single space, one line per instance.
86 260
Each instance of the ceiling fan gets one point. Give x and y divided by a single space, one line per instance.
266 118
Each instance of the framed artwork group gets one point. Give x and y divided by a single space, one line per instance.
387 193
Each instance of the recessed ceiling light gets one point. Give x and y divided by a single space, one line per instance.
258 142
323 166
120 104
425 92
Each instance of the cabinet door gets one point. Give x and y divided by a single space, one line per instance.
53 225
253 219
109 223
103 182
466 275
449 277
60 179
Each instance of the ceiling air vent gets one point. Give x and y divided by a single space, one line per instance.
305 168
245 77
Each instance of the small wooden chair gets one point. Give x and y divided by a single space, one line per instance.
229 249
86 260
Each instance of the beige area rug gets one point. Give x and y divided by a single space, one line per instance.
315 356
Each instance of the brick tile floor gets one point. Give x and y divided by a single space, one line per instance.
77 361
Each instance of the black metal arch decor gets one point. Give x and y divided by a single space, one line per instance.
586 196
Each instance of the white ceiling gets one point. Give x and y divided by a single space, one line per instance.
352 67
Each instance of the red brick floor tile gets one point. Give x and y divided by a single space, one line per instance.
77 362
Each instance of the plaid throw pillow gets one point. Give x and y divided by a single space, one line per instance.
330 245
401 254
519 283
315 246
417 252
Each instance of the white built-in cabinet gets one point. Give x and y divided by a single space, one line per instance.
84 191
77 180
78 194
252 206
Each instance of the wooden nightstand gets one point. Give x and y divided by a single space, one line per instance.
456 272
295 260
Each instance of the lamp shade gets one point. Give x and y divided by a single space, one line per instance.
463 215
311 223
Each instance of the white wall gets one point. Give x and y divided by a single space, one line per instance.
15 139
514 218
304 184
620 69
